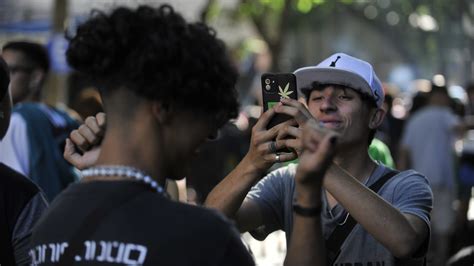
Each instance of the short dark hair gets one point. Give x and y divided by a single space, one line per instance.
4 78
35 52
436 89
156 54
366 98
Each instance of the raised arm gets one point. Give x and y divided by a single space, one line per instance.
228 196
86 138
307 245
401 233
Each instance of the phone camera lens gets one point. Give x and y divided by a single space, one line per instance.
268 87
267 81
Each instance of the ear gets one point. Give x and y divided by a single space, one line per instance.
161 112
376 117
37 77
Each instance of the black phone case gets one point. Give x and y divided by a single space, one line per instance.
274 87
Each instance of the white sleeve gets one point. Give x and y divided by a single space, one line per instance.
14 148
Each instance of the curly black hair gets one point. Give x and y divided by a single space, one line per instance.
155 53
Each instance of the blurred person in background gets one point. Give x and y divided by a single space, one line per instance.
215 160
464 232
391 226
21 201
392 125
84 97
428 147
420 100
470 98
35 139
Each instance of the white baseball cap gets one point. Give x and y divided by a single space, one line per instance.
345 70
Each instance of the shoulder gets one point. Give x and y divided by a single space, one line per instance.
408 186
427 113
30 113
24 108
203 218
444 113
16 121
410 177
284 173
400 180
411 127
279 179
39 112
16 133
13 181
406 178
63 111
19 195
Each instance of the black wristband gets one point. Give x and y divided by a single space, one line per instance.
306 212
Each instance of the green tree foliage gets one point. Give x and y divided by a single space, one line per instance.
423 31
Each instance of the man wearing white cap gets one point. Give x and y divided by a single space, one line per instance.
371 215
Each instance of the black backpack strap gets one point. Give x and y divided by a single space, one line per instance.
340 233
115 200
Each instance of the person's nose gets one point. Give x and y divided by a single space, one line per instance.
328 105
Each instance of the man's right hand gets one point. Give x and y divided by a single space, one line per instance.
319 146
264 144
87 139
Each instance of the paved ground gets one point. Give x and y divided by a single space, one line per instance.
271 251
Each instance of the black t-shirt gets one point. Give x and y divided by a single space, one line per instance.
21 204
145 229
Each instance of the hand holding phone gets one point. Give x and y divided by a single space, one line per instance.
274 87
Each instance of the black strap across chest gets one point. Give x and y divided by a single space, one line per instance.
340 233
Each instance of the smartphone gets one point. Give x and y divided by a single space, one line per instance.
274 87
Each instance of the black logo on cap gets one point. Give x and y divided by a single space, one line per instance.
333 63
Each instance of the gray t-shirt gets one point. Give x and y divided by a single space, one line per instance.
429 135
408 191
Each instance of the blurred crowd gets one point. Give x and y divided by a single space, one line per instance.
425 129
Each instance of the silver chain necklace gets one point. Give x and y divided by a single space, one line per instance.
124 171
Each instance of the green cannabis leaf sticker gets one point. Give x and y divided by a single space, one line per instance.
284 93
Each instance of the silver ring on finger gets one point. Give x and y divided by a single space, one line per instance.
272 147
277 157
